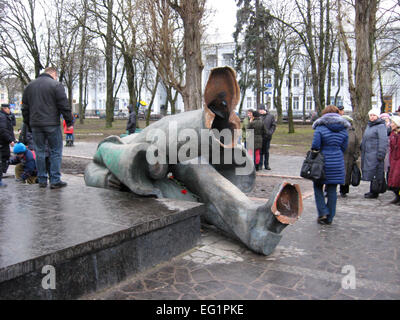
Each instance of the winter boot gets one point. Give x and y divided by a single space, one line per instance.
396 200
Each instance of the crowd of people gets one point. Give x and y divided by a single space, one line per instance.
258 127
38 151
336 139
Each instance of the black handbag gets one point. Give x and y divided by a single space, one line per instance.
313 166
355 175
378 183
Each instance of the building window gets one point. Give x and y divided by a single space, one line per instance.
296 80
333 80
295 103
228 59
2 96
309 103
287 81
339 101
249 105
211 61
308 79
341 80
287 103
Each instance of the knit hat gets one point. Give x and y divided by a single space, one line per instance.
374 111
348 118
19 148
5 105
384 115
340 107
396 120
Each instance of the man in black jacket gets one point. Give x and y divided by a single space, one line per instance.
270 126
6 139
44 100
131 125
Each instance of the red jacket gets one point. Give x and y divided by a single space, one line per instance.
394 158
71 131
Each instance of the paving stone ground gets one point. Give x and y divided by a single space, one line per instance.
312 261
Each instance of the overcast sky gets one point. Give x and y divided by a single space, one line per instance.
223 21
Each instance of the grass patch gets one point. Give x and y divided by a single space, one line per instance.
94 129
295 143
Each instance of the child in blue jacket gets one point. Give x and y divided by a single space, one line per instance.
25 169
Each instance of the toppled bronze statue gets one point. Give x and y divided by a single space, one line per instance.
195 156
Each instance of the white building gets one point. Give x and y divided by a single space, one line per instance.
218 55
222 54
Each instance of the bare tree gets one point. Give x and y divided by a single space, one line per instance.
101 12
164 47
280 32
314 29
360 88
191 13
20 39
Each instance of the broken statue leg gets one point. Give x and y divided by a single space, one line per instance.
257 226
284 207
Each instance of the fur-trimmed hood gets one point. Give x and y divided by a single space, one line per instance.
333 121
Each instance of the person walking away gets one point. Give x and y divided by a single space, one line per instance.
373 151
331 139
270 127
44 100
69 133
350 156
25 166
257 126
394 159
245 123
131 125
7 139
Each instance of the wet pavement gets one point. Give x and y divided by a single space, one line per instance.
312 261
357 257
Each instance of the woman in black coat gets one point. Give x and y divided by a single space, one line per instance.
373 150
258 128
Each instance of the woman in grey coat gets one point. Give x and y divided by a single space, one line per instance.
373 150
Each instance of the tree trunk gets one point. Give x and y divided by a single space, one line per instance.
153 95
242 100
278 75
365 39
81 66
257 57
109 68
379 69
304 97
191 13
290 98
130 79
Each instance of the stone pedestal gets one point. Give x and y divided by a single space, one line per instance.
91 238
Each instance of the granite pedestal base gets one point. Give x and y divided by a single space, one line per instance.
81 239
